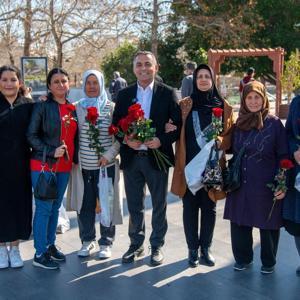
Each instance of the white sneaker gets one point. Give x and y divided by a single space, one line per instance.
105 252
3 257
86 248
15 257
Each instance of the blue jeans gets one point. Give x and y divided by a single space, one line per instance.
46 213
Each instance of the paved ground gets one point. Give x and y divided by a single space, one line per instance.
92 278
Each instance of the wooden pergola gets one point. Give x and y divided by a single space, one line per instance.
217 56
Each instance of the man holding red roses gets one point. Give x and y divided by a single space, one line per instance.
159 103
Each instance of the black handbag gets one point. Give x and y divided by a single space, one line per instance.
46 186
212 176
232 174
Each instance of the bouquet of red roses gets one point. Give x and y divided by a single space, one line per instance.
136 127
215 127
93 131
280 178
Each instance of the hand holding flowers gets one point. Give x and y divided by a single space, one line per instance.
66 120
136 130
92 118
280 188
216 126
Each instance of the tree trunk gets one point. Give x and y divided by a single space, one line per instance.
27 23
154 28
11 57
59 60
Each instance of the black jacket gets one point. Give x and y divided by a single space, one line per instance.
45 131
164 106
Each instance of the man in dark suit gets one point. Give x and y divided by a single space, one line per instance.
159 103
116 85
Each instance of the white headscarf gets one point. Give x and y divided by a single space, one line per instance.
99 101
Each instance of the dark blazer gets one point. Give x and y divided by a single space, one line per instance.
164 106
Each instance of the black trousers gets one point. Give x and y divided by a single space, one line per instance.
191 205
136 176
86 217
242 244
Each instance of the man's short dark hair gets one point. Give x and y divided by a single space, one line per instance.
250 71
143 52
191 66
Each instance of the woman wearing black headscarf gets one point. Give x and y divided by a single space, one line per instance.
196 116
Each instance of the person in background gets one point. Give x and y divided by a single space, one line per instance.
291 203
83 189
117 84
15 182
247 78
53 136
264 140
187 81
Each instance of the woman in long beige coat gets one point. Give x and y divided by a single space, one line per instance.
196 116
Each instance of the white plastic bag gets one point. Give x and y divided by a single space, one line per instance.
297 182
63 224
106 197
195 168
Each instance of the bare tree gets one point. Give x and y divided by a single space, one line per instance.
9 34
75 21
153 16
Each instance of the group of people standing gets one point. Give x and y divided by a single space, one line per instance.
53 137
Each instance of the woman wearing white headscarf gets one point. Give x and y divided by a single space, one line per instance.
84 193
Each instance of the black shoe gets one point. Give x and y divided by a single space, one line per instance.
56 254
133 252
242 267
266 270
157 257
207 258
193 258
45 261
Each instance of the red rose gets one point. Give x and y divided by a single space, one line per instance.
113 130
217 112
92 115
138 114
124 124
134 107
130 118
286 164
70 107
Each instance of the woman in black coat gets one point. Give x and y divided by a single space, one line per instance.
15 182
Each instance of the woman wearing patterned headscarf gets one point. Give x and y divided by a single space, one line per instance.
264 140
196 113
86 177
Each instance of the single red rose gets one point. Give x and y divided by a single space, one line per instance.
124 124
138 114
134 107
286 164
71 107
92 115
217 112
113 130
